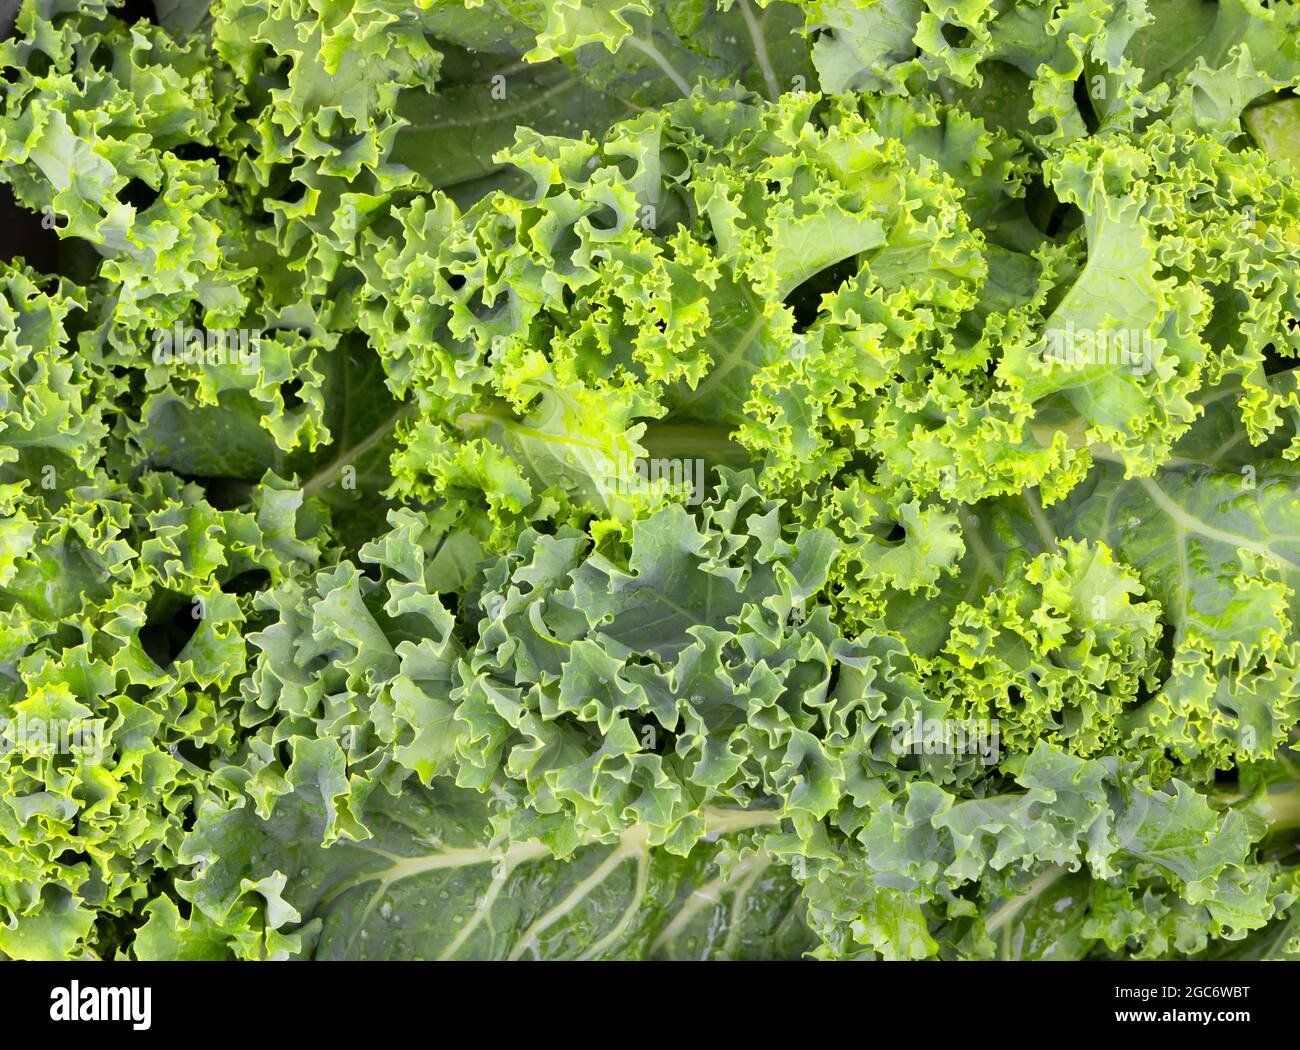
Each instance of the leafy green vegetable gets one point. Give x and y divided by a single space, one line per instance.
618 479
